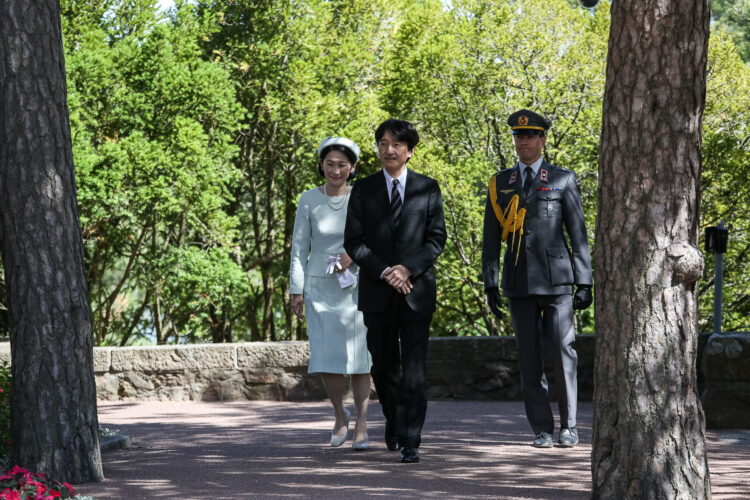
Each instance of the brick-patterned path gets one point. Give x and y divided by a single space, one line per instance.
261 449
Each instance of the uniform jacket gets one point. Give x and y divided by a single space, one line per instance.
374 243
548 262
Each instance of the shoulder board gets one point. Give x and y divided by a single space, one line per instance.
504 173
558 169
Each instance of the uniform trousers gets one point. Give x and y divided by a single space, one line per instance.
397 341
545 322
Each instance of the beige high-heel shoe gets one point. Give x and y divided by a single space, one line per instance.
363 444
339 440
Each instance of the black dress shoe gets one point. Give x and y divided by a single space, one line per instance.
409 455
392 444
391 439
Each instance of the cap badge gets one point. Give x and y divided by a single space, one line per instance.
523 120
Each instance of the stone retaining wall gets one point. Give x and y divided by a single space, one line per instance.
458 368
206 372
725 367
472 368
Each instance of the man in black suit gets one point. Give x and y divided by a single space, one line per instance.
395 232
533 206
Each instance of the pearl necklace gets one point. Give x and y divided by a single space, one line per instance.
336 205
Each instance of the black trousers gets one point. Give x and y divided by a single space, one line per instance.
397 341
546 321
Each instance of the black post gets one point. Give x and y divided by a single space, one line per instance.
716 242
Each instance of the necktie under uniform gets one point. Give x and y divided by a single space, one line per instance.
395 203
529 178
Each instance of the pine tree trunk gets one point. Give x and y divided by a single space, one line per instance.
54 423
649 428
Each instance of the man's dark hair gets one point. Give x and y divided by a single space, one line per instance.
400 130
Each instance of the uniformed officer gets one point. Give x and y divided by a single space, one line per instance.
528 206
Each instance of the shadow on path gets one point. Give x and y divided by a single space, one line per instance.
261 449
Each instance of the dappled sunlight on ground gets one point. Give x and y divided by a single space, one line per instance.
262 449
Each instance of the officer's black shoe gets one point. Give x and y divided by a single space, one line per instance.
568 437
543 440
409 455
392 444
391 439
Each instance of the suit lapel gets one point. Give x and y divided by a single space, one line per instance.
410 193
411 188
518 184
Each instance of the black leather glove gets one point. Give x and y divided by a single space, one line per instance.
495 301
583 297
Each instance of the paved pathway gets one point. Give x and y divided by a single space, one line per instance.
261 449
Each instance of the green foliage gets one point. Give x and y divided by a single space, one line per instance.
458 73
304 71
194 133
724 187
153 125
222 285
734 17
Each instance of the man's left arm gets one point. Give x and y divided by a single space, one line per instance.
422 258
575 225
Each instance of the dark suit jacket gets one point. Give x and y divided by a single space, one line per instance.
547 264
373 242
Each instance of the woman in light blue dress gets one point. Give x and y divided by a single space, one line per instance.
323 284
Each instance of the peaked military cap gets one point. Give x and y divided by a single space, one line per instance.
525 122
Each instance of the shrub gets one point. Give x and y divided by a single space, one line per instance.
20 484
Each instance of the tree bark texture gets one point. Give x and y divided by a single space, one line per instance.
54 425
649 428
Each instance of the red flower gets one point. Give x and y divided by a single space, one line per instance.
8 494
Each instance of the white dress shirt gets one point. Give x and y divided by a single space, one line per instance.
401 183
401 191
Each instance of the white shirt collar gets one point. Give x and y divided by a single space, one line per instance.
534 166
401 182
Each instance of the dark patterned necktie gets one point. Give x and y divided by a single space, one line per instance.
395 203
529 178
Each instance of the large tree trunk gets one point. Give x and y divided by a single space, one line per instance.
54 423
649 429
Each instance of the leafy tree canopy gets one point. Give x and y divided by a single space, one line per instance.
734 17
195 132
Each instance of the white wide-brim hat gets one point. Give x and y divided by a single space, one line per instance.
339 141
